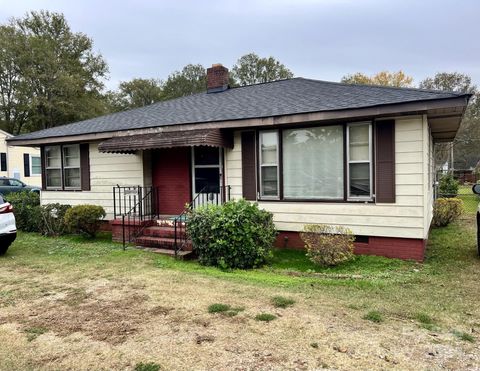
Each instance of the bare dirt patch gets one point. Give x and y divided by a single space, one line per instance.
110 320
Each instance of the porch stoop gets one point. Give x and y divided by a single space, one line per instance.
160 238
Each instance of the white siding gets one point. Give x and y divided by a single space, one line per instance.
15 161
406 218
428 169
106 171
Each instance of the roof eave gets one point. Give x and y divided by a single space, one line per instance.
405 108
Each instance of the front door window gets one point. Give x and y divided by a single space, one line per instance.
207 174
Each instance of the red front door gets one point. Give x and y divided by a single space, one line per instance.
171 174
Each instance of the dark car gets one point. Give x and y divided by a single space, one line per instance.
476 190
8 185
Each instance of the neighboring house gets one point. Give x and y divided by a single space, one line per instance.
21 163
308 151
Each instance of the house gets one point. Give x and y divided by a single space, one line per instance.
22 163
308 151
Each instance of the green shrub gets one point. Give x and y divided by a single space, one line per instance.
26 209
328 245
448 186
446 210
51 221
84 219
236 234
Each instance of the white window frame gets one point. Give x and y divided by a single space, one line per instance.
53 168
64 167
370 161
260 165
31 165
215 166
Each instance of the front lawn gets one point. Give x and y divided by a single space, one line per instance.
70 303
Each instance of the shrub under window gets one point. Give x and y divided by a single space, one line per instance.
328 245
84 219
236 234
51 220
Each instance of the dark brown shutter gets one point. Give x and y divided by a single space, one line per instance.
26 164
385 161
3 161
249 169
85 166
44 172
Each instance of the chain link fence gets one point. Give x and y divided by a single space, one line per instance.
466 179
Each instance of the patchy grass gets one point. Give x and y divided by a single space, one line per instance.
114 308
34 332
218 308
426 321
265 317
374 316
225 309
282 302
151 366
465 336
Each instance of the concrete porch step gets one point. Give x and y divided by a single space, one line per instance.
167 232
160 242
169 252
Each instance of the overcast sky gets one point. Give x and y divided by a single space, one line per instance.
323 39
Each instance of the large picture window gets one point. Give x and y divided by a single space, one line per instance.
332 162
62 167
313 163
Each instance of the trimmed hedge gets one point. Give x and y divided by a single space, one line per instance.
328 245
236 234
84 219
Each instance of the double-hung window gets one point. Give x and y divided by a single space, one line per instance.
62 167
269 174
35 165
71 166
359 157
53 167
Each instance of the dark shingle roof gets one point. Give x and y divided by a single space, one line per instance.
282 97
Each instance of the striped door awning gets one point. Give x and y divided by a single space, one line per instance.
136 142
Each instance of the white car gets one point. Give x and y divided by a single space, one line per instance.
8 229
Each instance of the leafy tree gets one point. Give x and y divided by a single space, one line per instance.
251 69
466 146
135 93
14 101
191 79
384 78
49 74
449 81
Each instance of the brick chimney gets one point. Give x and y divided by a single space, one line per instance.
217 78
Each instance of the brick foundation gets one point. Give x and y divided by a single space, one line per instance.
117 229
390 247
